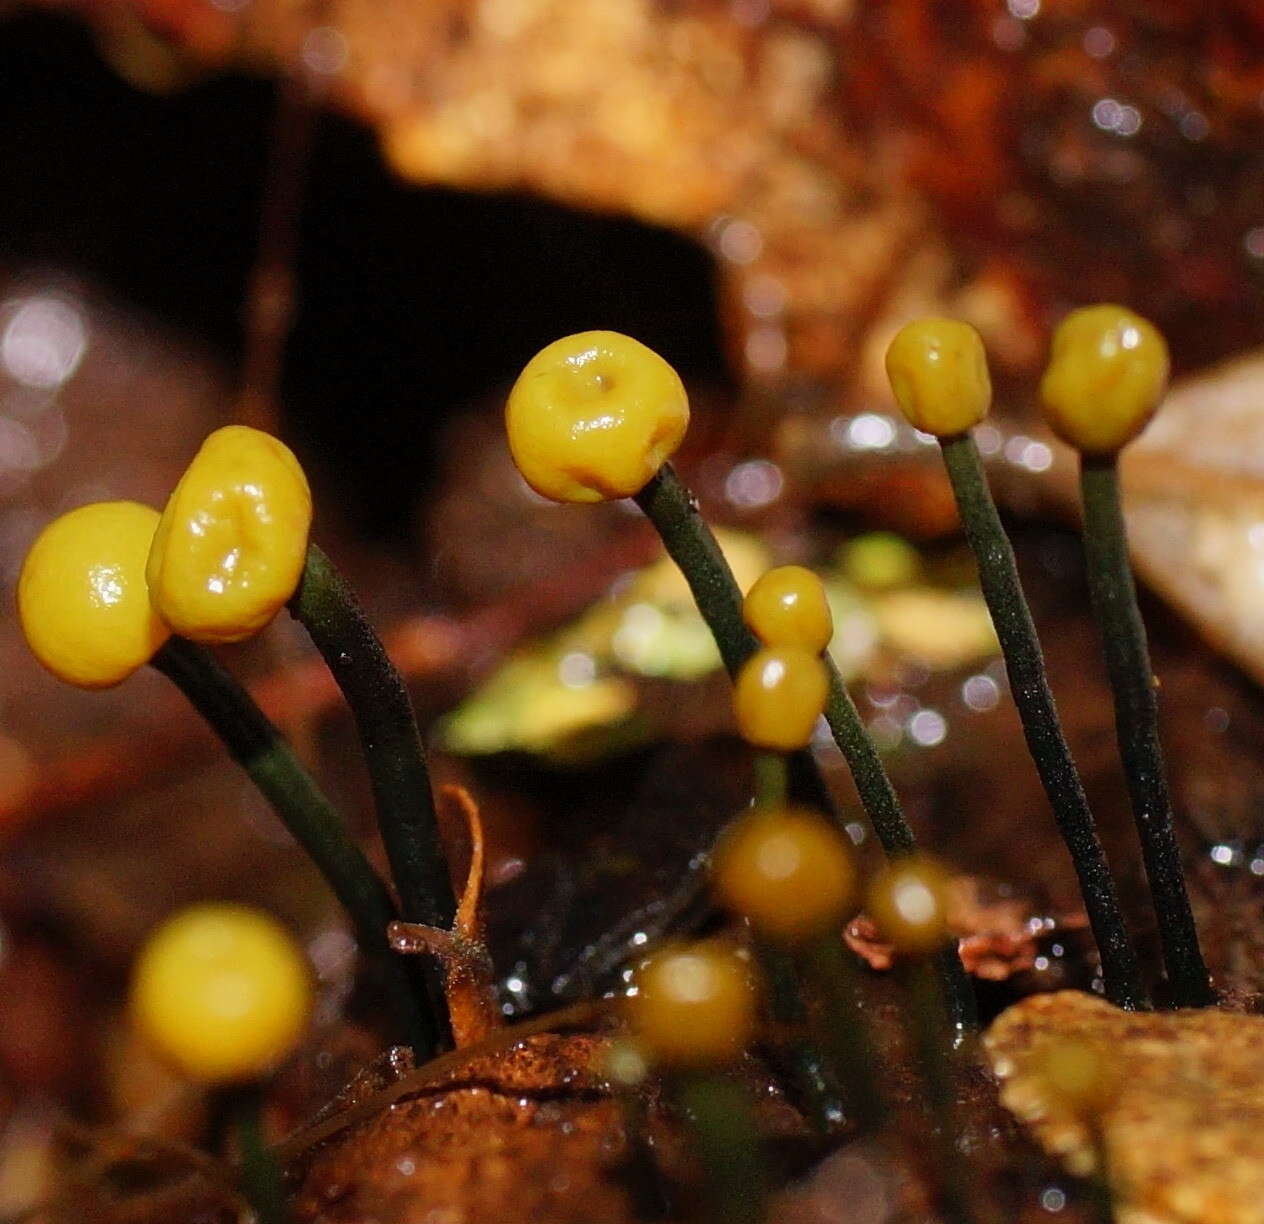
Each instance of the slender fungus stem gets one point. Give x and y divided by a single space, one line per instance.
925 1025
262 751
693 1014
670 506
1079 1078
792 875
908 902
727 1142
1100 1195
690 542
384 717
1132 680
1106 376
842 1029
260 1170
872 782
810 1082
1024 662
771 779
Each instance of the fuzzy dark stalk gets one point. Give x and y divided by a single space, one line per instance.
1024 662
937 1065
260 749
810 1082
1114 597
384 717
259 1171
726 1138
689 541
772 779
842 1028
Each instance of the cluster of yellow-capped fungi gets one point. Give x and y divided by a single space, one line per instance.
593 417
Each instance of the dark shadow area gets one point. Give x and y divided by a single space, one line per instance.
413 303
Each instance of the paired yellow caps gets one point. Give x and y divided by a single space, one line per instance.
103 586
1107 373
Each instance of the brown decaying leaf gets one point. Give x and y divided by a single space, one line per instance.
1182 1118
997 936
526 1134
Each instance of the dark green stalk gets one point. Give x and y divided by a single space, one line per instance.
810 1083
998 576
883 807
1123 633
726 1139
261 1181
670 506
672 510
642 1177
772 777
842 1028
936 1064
384 717
262 751
872 782
1101 1197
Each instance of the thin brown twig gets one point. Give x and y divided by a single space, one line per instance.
269 307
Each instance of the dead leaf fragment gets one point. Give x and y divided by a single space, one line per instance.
1181 1131
998 935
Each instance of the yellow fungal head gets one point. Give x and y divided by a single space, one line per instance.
694 1005
1107 373
787 607
1076 1073
779 695
593 417
230 549
909 903
939 375
788 871
222 991
82 599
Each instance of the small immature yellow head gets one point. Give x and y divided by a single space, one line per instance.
908 901
779 694
82 599
939 375
1107 373
1076 1073
694 1005
593 417
230 549
222 991
787 607
788 871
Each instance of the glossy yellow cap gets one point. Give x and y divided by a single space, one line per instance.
230 549
939 374
788 871
779 695
593 417
1107 373
222 991
694 1005
908 902
787 607
82 599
